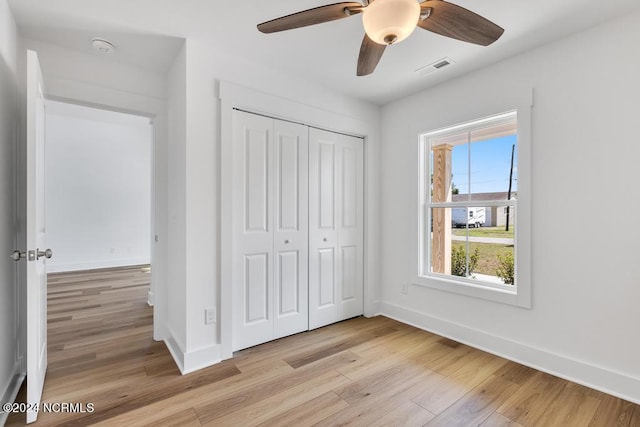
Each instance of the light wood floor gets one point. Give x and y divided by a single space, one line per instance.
368 372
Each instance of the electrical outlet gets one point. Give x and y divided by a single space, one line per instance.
209 316
405 289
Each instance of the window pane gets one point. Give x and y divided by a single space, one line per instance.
491 166
489 249
461 248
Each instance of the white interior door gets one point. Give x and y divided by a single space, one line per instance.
35 234
336 229
269 229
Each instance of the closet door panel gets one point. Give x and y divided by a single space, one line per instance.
291 244
253 230
323 291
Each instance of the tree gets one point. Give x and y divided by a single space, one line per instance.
454 189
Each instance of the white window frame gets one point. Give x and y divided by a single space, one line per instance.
518 294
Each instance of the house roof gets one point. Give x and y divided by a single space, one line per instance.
483 197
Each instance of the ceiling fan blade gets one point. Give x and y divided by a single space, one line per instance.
370 54
450 20
317 15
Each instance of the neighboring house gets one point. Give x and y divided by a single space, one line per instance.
496 216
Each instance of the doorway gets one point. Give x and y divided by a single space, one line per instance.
99 215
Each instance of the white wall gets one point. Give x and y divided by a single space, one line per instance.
98 188
583 324
9 113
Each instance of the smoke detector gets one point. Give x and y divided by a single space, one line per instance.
103 46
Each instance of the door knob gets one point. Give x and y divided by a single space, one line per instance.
324 239
31 255
47 253
287 241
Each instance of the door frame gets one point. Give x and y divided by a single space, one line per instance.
154 180
232 97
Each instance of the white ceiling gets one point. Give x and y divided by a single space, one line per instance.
148 34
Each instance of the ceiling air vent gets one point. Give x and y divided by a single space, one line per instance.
435 66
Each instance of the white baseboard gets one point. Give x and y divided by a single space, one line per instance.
176 348
53 267
10 390
193 360
201 358
372 309
596 377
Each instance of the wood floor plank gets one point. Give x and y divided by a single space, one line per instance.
574 404
477 405
497 420
367 408
363 372
308 413
407 415
243 398
532 399
515 372
465 373
209 393
616 412
309 356
124 399
186 418
279 402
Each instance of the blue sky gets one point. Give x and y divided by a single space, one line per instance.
490 163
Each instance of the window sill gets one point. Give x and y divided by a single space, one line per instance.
498 293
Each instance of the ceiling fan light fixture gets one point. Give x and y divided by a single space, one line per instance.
390 21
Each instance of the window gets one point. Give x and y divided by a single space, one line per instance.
469 199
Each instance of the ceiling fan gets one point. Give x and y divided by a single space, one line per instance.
390 21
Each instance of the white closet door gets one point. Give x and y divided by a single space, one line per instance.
253 230
270 235
291 229
335 227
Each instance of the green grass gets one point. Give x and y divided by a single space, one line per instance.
485 232
488 261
